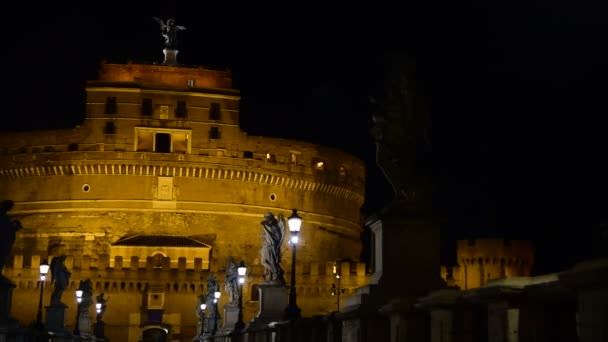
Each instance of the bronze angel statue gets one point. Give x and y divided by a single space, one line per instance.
274 233
169 32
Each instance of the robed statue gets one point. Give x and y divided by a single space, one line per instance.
86 286
60 276
231 281
212 288
169 32
274 232
8 232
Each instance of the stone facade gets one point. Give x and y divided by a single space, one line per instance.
482 260
160 154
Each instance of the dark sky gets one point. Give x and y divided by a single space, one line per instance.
517 94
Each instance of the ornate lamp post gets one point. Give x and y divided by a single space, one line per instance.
44 269
295 221
79 300
336 291
242 270
216 313
202 308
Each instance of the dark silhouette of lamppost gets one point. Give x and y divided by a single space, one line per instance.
100 308
242 270
202 308
216 312
79 300
293 312
44 269
336 291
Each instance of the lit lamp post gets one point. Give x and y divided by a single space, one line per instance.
336 291
295 221
216 314
202 307
242 270
44 269
79 300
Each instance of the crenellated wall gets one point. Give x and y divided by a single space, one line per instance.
126 284
482 260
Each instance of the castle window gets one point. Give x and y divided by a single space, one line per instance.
73 147
146 107
162 140
215 113
214 133
342 171
109 128
270 157
181 111
111 106
247 154
255 293
163 143
293 157
190 83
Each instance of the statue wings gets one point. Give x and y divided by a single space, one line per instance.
281 220
160 22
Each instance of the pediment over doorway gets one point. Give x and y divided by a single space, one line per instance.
161 252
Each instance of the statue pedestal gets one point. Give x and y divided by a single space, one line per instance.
273 301
403 244
170 56
6 289
231 317
84 325
55 319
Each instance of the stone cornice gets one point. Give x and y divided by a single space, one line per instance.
227 173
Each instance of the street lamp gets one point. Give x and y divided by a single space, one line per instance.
202 308
44 269
336 291
295 221
216 317
79 300
242 270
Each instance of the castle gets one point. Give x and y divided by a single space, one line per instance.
159 186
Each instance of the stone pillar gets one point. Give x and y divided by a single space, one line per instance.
450 321
402 245
170 56
273 301
590 281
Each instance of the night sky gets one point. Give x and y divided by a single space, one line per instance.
517 95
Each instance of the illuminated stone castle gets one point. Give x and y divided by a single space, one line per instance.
482 260
159 186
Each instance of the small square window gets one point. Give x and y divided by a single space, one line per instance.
109 128
190 83
146 107
270 157
215 112
111 105
214 133
181 111
342 171
248 155
319 165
